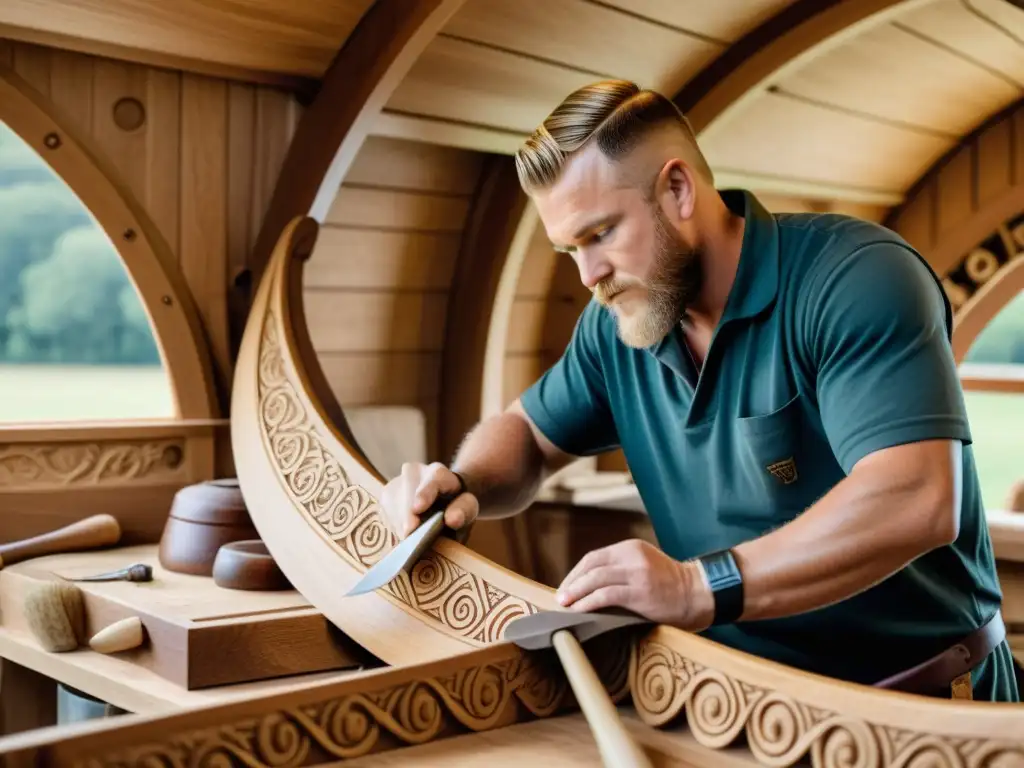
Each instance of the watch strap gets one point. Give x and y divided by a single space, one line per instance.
726 583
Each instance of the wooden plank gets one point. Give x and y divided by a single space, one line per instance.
32 64
538 266
71 86
297 38
382 378
370 321
955 189
898 76
6 52
163 155
272 133
240 225
724 20
618 44
204 217
787 138
954 24
126 149
366 258
460 81
390 209
916 221
415 166
994 158
541 325
1018 147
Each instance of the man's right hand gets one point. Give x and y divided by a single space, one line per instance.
413 492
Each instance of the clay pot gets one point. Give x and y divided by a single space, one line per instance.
203 518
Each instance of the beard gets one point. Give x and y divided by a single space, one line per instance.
674 283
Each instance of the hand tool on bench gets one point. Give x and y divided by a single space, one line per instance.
565 631
89 533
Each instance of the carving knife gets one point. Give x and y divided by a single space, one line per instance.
409 550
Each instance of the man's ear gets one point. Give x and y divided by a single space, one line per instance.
676 190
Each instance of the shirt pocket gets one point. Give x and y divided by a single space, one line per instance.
776 457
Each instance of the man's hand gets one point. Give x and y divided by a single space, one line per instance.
641 578
409 495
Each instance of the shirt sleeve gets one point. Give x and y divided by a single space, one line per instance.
569 403
878 328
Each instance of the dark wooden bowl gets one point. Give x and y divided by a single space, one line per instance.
247 565
203 518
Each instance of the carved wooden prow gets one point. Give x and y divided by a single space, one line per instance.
313 495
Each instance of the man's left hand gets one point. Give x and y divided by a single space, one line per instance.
641 578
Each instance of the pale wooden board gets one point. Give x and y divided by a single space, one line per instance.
724 20
365 321
177 596
897 76
785 137
961 26
393 209
415 166
382 377
460 81
386 260
618 44
298 37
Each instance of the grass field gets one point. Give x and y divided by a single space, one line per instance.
50 393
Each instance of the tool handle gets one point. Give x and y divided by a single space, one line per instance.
88 533
434 526
617 747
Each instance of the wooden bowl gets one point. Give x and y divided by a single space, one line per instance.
247 565
203 518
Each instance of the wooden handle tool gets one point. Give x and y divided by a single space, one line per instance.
564 631
89 533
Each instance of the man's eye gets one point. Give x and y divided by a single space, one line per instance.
599 236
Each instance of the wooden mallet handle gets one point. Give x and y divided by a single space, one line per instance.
618 750
89 533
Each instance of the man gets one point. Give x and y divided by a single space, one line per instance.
784 391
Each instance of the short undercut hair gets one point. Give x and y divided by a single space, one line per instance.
616 114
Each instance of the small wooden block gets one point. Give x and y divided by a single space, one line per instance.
197 633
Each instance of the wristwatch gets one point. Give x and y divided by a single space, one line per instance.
726 583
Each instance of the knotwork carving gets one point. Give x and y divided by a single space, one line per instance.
438 588
780 730
95 463
476 698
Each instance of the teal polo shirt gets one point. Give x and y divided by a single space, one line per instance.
834 342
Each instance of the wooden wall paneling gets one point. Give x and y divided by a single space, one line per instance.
397 209
241 188
71 86
955 191
369 321
89 172
332 129
415 166
618 43
6 52
1017 147
32 64
994 160
163 154
204 156
723 20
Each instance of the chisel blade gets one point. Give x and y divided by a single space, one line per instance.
402 557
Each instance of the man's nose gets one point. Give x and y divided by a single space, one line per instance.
593 268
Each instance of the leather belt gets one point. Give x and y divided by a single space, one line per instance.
944 673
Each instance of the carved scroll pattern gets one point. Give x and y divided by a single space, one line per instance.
476 698
41 465
781 730
982 264
438 588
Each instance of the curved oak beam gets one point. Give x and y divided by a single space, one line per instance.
150 264
313 497
979 310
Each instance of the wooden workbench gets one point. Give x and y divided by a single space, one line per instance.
30 673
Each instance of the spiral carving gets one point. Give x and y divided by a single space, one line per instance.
478 697
439 590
